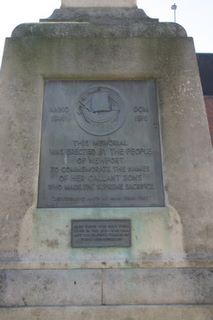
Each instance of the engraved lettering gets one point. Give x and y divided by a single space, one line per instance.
141 109
59 109
100 233
101 147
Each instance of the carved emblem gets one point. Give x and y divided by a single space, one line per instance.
100 110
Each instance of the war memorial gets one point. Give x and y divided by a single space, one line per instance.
106 169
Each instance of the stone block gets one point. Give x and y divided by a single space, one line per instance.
158 286
50 287
114 58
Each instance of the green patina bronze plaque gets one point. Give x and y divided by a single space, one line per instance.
100 145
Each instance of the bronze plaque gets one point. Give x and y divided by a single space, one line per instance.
100 145
100 233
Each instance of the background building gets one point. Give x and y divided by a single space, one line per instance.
205 63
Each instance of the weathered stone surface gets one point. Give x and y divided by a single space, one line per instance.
98 3
86 30
100 22
110 313
50 287
156 236
101 15
187 165
108 287
158 286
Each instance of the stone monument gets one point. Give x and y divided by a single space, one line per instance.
106 169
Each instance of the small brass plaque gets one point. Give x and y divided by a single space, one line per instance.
100 233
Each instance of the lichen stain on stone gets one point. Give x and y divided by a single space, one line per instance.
61 232
51 243
36 313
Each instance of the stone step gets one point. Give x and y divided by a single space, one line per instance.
110 313
37 288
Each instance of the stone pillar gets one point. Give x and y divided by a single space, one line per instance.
88 100
99 3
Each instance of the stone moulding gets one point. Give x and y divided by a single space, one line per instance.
91 14
99 22
88 30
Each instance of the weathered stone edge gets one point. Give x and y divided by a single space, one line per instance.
109 313
91 14
86 30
